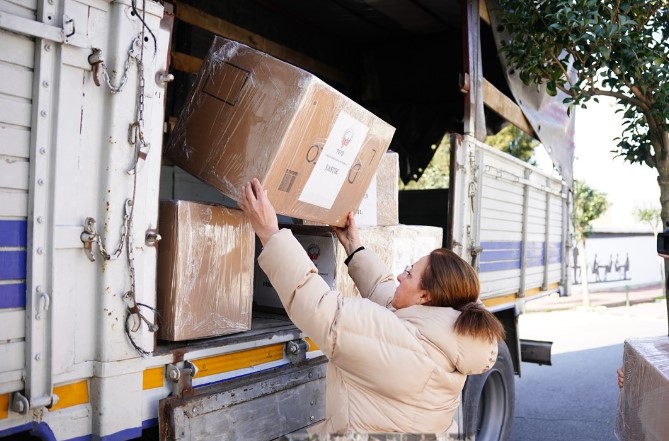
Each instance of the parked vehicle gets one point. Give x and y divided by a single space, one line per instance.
91 89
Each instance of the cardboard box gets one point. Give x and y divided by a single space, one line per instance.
321 245
380 204
250 115
641 407
398 246
205 271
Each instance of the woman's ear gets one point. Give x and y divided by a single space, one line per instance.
425 297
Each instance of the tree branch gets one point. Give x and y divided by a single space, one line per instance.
651 13
564 71
634 89
621 96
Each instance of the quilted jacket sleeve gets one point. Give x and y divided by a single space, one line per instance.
307 298
475 356
373 279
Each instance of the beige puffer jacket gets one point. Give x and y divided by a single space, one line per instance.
390 370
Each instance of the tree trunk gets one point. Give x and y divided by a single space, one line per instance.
662 166
585 292
662 162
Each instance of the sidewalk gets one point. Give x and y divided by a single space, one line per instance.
607 298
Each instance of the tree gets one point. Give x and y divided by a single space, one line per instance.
651 216
437 172
589 204
515 142
590 48
510 140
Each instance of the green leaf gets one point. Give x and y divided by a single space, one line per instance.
606 52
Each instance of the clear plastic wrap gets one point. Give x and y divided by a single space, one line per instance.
642 415
250 115
397 246
320 244
380 205
205 270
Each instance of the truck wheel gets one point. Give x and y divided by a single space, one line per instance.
488 401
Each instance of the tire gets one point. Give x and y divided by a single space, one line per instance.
488 401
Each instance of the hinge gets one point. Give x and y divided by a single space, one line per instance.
20 403
181 378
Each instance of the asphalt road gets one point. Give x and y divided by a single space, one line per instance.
576 398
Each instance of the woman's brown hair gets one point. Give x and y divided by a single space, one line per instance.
453 282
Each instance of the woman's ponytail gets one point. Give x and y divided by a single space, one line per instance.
478 322
452 282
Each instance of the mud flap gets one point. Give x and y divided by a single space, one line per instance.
259 407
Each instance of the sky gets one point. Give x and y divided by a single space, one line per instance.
628 186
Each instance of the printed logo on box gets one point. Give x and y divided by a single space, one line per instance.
334 162
313 251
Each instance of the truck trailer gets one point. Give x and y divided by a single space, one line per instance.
90 94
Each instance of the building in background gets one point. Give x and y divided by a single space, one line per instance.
621 251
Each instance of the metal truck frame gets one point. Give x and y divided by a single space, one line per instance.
86 102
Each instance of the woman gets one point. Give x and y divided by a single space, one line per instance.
399 356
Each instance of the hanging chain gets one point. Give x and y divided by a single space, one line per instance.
134 315
90 236
132 55
136 132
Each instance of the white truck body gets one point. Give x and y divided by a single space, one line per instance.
68 370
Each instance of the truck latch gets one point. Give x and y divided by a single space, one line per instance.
474 251
296 351
89 236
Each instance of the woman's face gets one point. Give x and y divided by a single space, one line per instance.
409 292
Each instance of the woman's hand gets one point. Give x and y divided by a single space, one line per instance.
259 210
621 377
348 235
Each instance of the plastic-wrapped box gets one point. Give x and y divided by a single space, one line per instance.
205 270
380 204
642 415
250 115
397 246
321 245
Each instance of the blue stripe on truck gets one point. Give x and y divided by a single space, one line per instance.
13 233
13 295
12 264
506 255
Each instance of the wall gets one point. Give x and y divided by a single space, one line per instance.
638 264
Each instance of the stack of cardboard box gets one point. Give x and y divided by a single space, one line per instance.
641 414
250 115
205 270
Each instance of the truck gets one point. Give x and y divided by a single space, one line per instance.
91 91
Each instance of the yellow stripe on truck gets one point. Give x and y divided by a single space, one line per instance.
71 395
510 298
495 301
4 406
237 360
312 346
153 378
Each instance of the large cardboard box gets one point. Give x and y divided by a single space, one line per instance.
321 245
250 115
205 271
398 246
380 205
642 414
